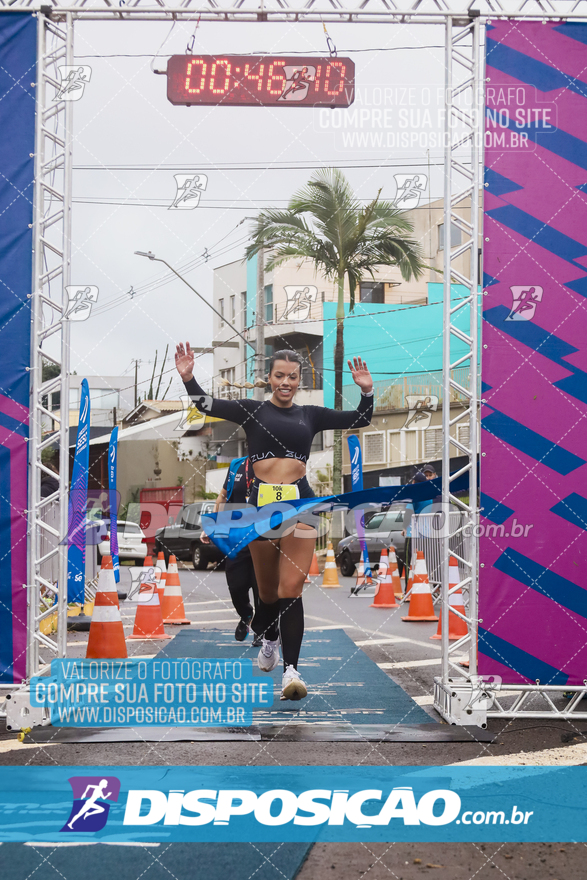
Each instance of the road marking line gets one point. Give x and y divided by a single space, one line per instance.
212 611
397 639
212 622
410 664
12 744
427 700
209 602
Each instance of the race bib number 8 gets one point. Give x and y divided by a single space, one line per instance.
270 493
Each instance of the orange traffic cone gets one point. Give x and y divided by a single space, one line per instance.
421 605
159 583
172 605
148 563
148 619
395 578
161 564
314 570
330 578
106 639
384 597
457 628
106 582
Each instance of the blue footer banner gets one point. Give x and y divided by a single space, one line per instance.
244 804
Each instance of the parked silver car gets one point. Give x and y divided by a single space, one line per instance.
382 528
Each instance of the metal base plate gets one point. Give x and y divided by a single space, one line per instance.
432 732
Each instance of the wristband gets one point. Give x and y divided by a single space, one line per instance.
367 393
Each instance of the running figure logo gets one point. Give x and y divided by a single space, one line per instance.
525 300
73 82
299 302
409 190
189 189
90 807
420 409
298 82
80 301
191 419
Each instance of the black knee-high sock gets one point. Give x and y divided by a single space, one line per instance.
291 629
265 621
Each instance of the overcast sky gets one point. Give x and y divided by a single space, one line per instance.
124 118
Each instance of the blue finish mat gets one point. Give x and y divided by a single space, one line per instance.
344 685
182 861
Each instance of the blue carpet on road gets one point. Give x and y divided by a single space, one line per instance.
182 861
344 685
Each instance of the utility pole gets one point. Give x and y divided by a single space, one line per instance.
259 393
136 381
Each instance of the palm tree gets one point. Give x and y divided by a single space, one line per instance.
325 223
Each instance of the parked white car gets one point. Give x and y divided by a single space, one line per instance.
130 543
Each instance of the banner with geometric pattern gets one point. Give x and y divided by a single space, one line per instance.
18 39
533 553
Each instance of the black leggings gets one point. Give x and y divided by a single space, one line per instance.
240 577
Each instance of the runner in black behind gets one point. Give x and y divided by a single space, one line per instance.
279 435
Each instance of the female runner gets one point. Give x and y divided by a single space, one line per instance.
279 436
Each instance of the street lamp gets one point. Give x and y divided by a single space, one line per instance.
151 256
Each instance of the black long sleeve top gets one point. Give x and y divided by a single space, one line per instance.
280 432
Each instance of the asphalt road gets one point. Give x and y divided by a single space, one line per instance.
405 652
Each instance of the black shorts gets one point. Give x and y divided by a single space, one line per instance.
304 489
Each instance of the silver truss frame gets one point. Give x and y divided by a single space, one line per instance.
51 275
463 91
350 11
460 697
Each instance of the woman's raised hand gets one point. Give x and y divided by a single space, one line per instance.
361 375
184 361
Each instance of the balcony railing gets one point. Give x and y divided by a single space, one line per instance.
390 394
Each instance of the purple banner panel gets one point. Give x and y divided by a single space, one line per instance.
18 48
533 579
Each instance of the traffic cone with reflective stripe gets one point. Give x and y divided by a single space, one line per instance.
148 619
148 563
172 605
106 582
161 564
395 578
106 639
314 570
457 628
159 583
384 597
330 578
421 605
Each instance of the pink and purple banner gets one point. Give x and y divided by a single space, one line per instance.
533 554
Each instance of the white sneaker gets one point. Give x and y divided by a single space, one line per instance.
268 657
292 686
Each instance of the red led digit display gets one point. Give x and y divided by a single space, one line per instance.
260 80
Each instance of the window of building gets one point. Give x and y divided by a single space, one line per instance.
455 236
269 352
232 309
371 292
103 398
227 391
463 435
221 310
374 447
432 444
269 303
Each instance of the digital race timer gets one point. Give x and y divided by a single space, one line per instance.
260 80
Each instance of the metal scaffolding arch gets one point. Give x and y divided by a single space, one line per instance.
49 338
460 695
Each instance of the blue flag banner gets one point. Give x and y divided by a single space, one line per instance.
234 527
113 502
78 502
356 458
246 804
